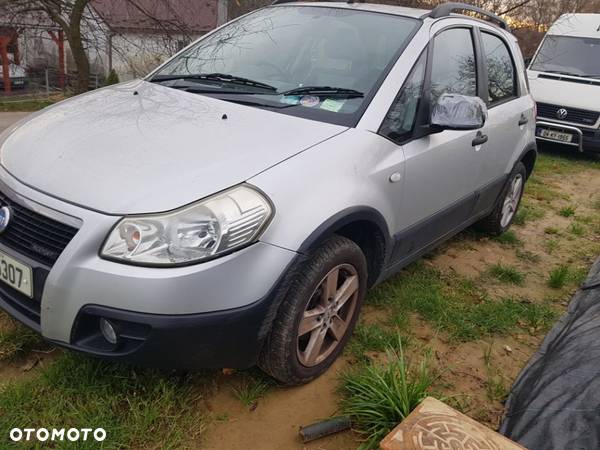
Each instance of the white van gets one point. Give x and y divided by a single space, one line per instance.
565 82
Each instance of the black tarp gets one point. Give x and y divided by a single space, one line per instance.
555 401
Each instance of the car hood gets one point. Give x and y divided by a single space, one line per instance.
139 147
564 92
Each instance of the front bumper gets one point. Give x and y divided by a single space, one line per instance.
206 315
584 139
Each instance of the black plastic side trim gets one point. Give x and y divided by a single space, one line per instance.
342 218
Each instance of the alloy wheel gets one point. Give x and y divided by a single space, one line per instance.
511 201
328 315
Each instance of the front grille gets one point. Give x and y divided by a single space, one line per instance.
574 115
34 235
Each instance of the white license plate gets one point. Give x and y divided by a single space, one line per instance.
556 135
16 274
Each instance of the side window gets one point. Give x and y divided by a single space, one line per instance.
400 119
501 69
454 69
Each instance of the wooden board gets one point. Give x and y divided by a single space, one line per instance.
433 425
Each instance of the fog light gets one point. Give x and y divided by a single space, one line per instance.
108 331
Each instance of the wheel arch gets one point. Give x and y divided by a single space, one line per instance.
363 225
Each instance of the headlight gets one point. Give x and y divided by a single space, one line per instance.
213 226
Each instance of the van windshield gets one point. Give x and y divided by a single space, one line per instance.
322 63
578 56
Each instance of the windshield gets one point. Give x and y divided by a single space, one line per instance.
317 62
567 55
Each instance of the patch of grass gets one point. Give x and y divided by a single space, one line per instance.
507 274
378 397
596 204
25 105
17 340
495 387
552 231
508 238
577 229
528 256
372 338
558 277
252 388
138 409
539 190
455 305
567 211
562 164
528 213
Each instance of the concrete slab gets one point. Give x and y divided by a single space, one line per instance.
8 118
433 425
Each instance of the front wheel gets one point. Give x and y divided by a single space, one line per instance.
318 316
501 218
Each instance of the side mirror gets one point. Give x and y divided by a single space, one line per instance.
458 112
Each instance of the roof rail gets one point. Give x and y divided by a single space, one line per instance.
280 2
445 9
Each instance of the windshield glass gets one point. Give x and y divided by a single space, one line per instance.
577 56
316 62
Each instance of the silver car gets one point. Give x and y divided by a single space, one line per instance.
233 207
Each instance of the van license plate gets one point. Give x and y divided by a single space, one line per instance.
16 274
556 135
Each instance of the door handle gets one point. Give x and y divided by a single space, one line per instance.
480 139
523 120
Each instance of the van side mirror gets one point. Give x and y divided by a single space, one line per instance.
458 112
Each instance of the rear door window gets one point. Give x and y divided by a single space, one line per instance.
502 85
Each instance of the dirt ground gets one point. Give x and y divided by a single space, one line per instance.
474 376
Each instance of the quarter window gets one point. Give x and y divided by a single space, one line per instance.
501 69
454 70
400 119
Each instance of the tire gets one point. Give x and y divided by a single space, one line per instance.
286 354
498 222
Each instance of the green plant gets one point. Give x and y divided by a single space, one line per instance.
17 340
508 238
528 212
577 229
251 388
596 203
137 408
495 387
567 211
111 78
507 274
558 277
372 338
378 397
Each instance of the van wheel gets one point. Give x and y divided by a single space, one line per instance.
501 218
318 316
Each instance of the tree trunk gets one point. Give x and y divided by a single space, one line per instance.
74 37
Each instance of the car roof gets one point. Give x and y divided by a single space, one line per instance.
579 25
388 9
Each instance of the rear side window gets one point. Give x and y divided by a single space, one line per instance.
454 70
502 83
400 119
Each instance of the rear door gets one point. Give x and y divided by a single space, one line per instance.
509 113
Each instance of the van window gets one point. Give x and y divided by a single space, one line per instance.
453 68
501 69
568 55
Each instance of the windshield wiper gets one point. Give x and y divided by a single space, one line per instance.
324 91
216 77
560 72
